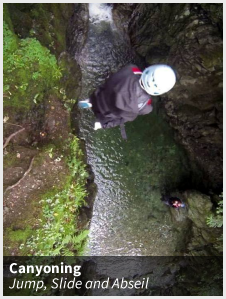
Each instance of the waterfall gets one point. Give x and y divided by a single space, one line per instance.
99 12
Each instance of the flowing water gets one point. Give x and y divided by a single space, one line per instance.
128 216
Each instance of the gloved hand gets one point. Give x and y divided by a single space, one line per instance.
97 125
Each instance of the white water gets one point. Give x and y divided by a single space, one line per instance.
99 12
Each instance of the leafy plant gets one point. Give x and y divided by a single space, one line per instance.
58 233
216 220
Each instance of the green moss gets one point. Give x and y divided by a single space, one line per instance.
9 160
45 21
42 25
29 71
70 85
49 25
6 17
16 239
10 43
19 235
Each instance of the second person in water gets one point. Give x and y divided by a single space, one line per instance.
126 94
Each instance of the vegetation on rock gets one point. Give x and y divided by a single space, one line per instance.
34 85
216 220
29 70
58 233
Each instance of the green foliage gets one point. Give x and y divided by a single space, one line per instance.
75 161
29 70
10 42
19 235
58 233
216 220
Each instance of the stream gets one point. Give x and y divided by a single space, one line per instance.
128 215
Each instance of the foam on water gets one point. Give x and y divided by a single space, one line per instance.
99 12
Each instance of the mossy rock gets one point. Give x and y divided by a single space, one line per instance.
199 207
45 21
29 71
212 57
71 78
23 217
14 238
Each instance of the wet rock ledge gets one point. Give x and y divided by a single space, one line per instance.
46 180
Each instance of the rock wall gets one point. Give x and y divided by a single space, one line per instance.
77 29
189 38
46 22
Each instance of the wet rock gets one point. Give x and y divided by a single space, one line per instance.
23 209
179 215
46 22
122 13
71 78
189 38
21 20
199 207
12 175
56 122
77 29
202 238
195 237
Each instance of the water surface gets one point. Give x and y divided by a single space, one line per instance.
128 216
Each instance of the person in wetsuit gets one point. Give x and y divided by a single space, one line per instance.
126 94
173 201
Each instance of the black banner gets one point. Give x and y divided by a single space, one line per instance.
118 276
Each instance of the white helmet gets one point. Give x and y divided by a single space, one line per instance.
157 79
